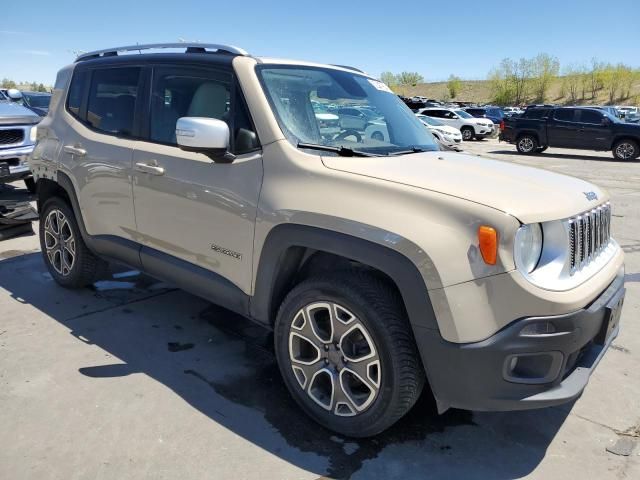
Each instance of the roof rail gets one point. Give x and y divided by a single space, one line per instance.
347 67
189 48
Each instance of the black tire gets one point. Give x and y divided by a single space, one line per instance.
467 133
378 307
625 149
85 268
30 183
541 149
527 144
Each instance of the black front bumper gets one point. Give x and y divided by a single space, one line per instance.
550 368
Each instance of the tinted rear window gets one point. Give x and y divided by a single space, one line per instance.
564 114
76 92
112 99
536 113
590 116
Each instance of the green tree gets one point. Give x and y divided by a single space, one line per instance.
453 86
572 81
543 70
409 78
595 77
389 78
7 83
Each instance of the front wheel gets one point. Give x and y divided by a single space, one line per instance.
347 354
625 150
527 144
467 133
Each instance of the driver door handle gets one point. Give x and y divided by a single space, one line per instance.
77 151
151 168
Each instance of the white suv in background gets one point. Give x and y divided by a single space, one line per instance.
469 126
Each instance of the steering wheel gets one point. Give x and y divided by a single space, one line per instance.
349 133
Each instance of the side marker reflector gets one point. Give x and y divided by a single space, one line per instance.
488 241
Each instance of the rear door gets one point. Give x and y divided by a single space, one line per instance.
562 128
98 145
592 133
192 208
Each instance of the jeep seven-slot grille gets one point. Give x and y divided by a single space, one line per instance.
11 136
589 234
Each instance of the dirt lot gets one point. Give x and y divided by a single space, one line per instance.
135 379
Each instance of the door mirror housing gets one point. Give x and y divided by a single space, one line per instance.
205 135
605 121
14 94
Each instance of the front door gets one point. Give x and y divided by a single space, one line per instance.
187 205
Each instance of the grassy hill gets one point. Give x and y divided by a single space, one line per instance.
479 91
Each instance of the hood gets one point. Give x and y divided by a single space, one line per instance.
447 129
529 194
14 114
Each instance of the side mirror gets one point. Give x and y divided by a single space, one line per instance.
205 135
14 94
606 121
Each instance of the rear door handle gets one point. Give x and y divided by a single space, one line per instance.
77 151
151 168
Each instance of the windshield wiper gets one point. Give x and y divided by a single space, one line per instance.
405 152
341 151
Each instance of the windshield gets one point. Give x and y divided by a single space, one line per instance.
368 116
463 114
430 121
38 101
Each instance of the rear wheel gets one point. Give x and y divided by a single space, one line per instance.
467 133
347 354
626 150
527 144
66 256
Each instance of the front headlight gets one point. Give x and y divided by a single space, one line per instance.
528 247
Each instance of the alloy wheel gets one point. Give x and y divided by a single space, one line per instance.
526 144
467 134
334 358
625 151
59 242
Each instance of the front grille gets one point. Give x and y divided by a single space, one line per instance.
589 234
11 136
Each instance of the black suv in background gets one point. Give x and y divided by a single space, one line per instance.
572 127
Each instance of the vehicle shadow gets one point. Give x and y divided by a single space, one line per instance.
223 366
564 156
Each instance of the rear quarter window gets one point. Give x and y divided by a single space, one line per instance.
76 93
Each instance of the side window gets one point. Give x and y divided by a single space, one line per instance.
590 116
112 99
564 114
187 93
76 93
180 92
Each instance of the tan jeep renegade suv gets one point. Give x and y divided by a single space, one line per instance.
382 265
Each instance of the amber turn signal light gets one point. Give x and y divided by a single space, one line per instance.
488 241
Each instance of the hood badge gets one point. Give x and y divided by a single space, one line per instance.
590 195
